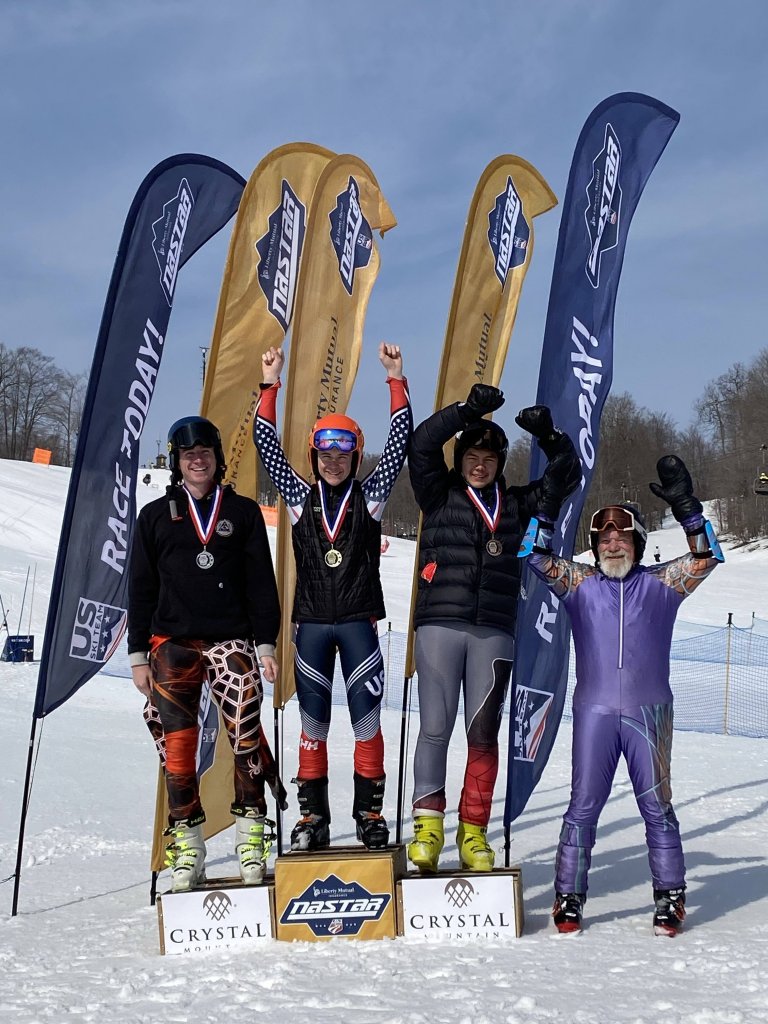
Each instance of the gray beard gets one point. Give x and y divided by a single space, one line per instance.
614 568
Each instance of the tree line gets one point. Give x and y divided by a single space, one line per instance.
726 448
41 405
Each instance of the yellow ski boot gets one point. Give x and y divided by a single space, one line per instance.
474 851
428 839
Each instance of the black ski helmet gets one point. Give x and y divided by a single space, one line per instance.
639 532
188 432
483 434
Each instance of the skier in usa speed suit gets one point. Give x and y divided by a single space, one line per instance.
336 533
622 615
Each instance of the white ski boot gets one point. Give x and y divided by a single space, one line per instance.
252 846
185 855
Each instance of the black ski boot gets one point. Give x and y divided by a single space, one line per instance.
567 911
372 829
312 831
669 914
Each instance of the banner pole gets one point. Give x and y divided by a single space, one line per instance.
23 819
402 759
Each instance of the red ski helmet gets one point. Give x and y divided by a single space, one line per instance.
339 433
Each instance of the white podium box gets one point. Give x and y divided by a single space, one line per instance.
222 914
461 905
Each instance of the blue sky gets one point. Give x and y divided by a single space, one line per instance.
95 92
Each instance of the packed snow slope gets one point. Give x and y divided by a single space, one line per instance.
85 944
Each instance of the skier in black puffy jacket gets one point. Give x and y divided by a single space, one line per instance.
469 580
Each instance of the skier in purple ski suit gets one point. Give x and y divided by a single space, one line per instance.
622 615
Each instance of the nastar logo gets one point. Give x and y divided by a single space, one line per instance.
603 210
531 710
332 907
224 528
508 232
217 905
351 234
97 631
280 254
168 233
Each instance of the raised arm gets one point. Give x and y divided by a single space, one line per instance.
377 486
293 489
426 464
686 573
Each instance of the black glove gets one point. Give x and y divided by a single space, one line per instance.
537 420
676 488
483 399
561 476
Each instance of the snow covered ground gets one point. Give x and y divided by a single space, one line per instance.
85 946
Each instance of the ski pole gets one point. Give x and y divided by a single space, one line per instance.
31 601
404 719
23 599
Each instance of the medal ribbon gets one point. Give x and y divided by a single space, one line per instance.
205 530
490 515
332 528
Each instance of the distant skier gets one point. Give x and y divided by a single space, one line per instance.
203 605
657 554
622 615
337 545
466 606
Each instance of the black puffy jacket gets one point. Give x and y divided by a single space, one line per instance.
468 584
352 590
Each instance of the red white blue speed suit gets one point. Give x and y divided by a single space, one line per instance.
622 704
337 609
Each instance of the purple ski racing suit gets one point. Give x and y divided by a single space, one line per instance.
622 703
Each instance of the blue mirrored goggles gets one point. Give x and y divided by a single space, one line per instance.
333 437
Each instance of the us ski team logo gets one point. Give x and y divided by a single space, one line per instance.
332 907
603 210
168 233
280 254
351 234
97 631
531 711
508 232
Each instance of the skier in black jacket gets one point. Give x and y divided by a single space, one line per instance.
469 580
203 605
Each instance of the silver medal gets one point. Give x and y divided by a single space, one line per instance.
494 547
333 558
204 560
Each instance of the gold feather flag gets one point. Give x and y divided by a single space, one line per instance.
257 296
495 255
339 268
